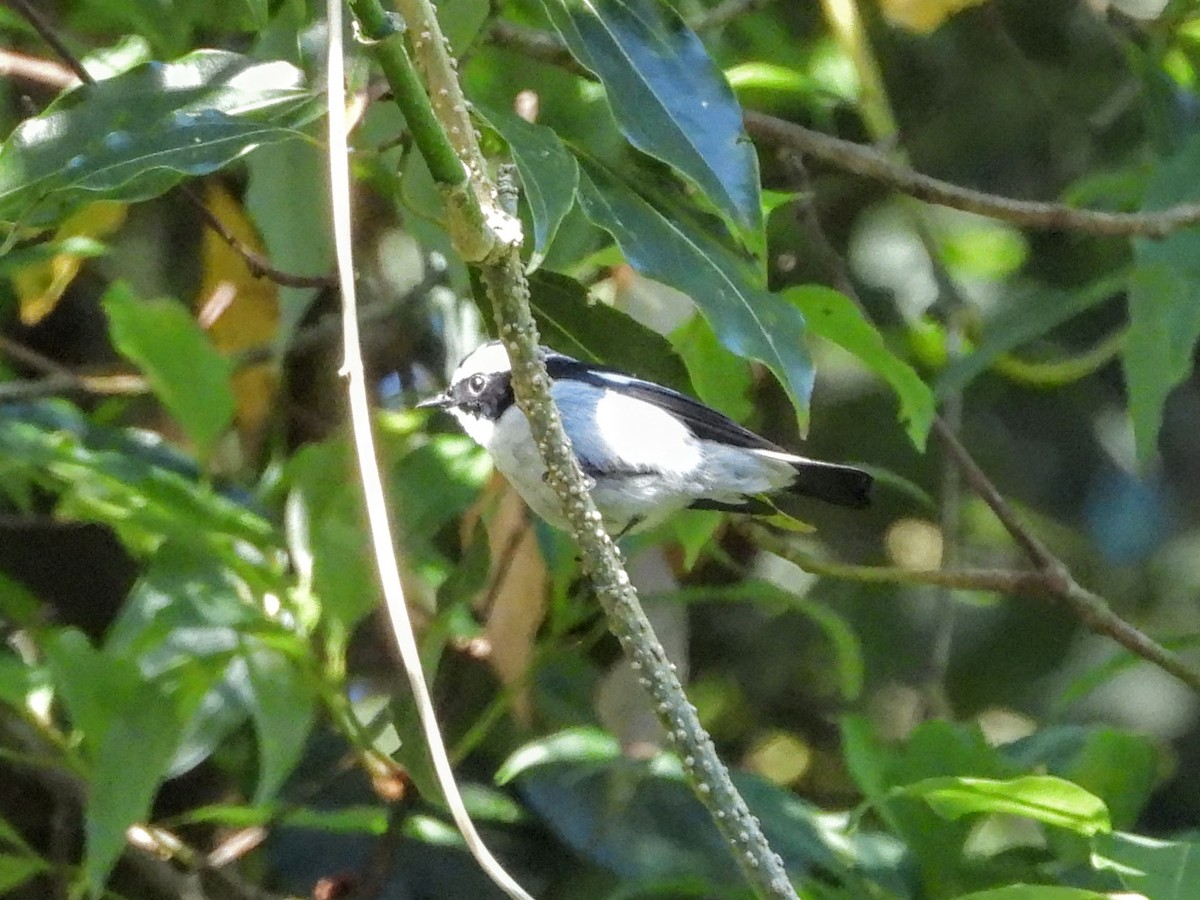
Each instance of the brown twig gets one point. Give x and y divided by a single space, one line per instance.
258 264
1050 578
868 163
47 34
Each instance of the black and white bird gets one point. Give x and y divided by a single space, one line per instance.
649 450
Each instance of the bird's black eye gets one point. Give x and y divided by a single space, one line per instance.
476 384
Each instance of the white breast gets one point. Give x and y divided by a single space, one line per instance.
651 456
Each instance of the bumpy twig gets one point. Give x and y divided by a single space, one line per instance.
503 274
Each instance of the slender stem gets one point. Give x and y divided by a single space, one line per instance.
869 163
383 543
383 37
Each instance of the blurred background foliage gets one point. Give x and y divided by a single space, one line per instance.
197 694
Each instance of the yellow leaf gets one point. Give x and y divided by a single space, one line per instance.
40 286
923 16
239 311
515 595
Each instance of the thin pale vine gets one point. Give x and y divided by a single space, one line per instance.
382 541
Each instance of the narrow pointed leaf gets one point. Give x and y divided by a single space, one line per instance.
1164 870
596 332
549 174
139 133
1045 798
1164 304
282 707
748 320
187 373
835 318
669 98
131 761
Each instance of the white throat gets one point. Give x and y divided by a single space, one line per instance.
478 428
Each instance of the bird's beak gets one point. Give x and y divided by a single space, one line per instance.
437 401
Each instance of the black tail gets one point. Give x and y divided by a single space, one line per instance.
843 485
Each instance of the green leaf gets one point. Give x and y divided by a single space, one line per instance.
10 835
595 332
284 183
834 317
18 604
721 379
1119 767
16 870
326 515
130 480
138 134
1164 303
283 707
1045 798
16 680
94 688
131 761
185 605
747 319
1030 313
258 11
641 821
668 97
1162 870
1035 892
187 373
549 174
935 750
570 745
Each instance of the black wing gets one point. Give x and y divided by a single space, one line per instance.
704 421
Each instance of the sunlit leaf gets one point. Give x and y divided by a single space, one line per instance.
187 373
747 319
571 745
669 99
131 480
1045 798
833 316
40 285
923 16
1161 870
721 379
140 133
239 311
